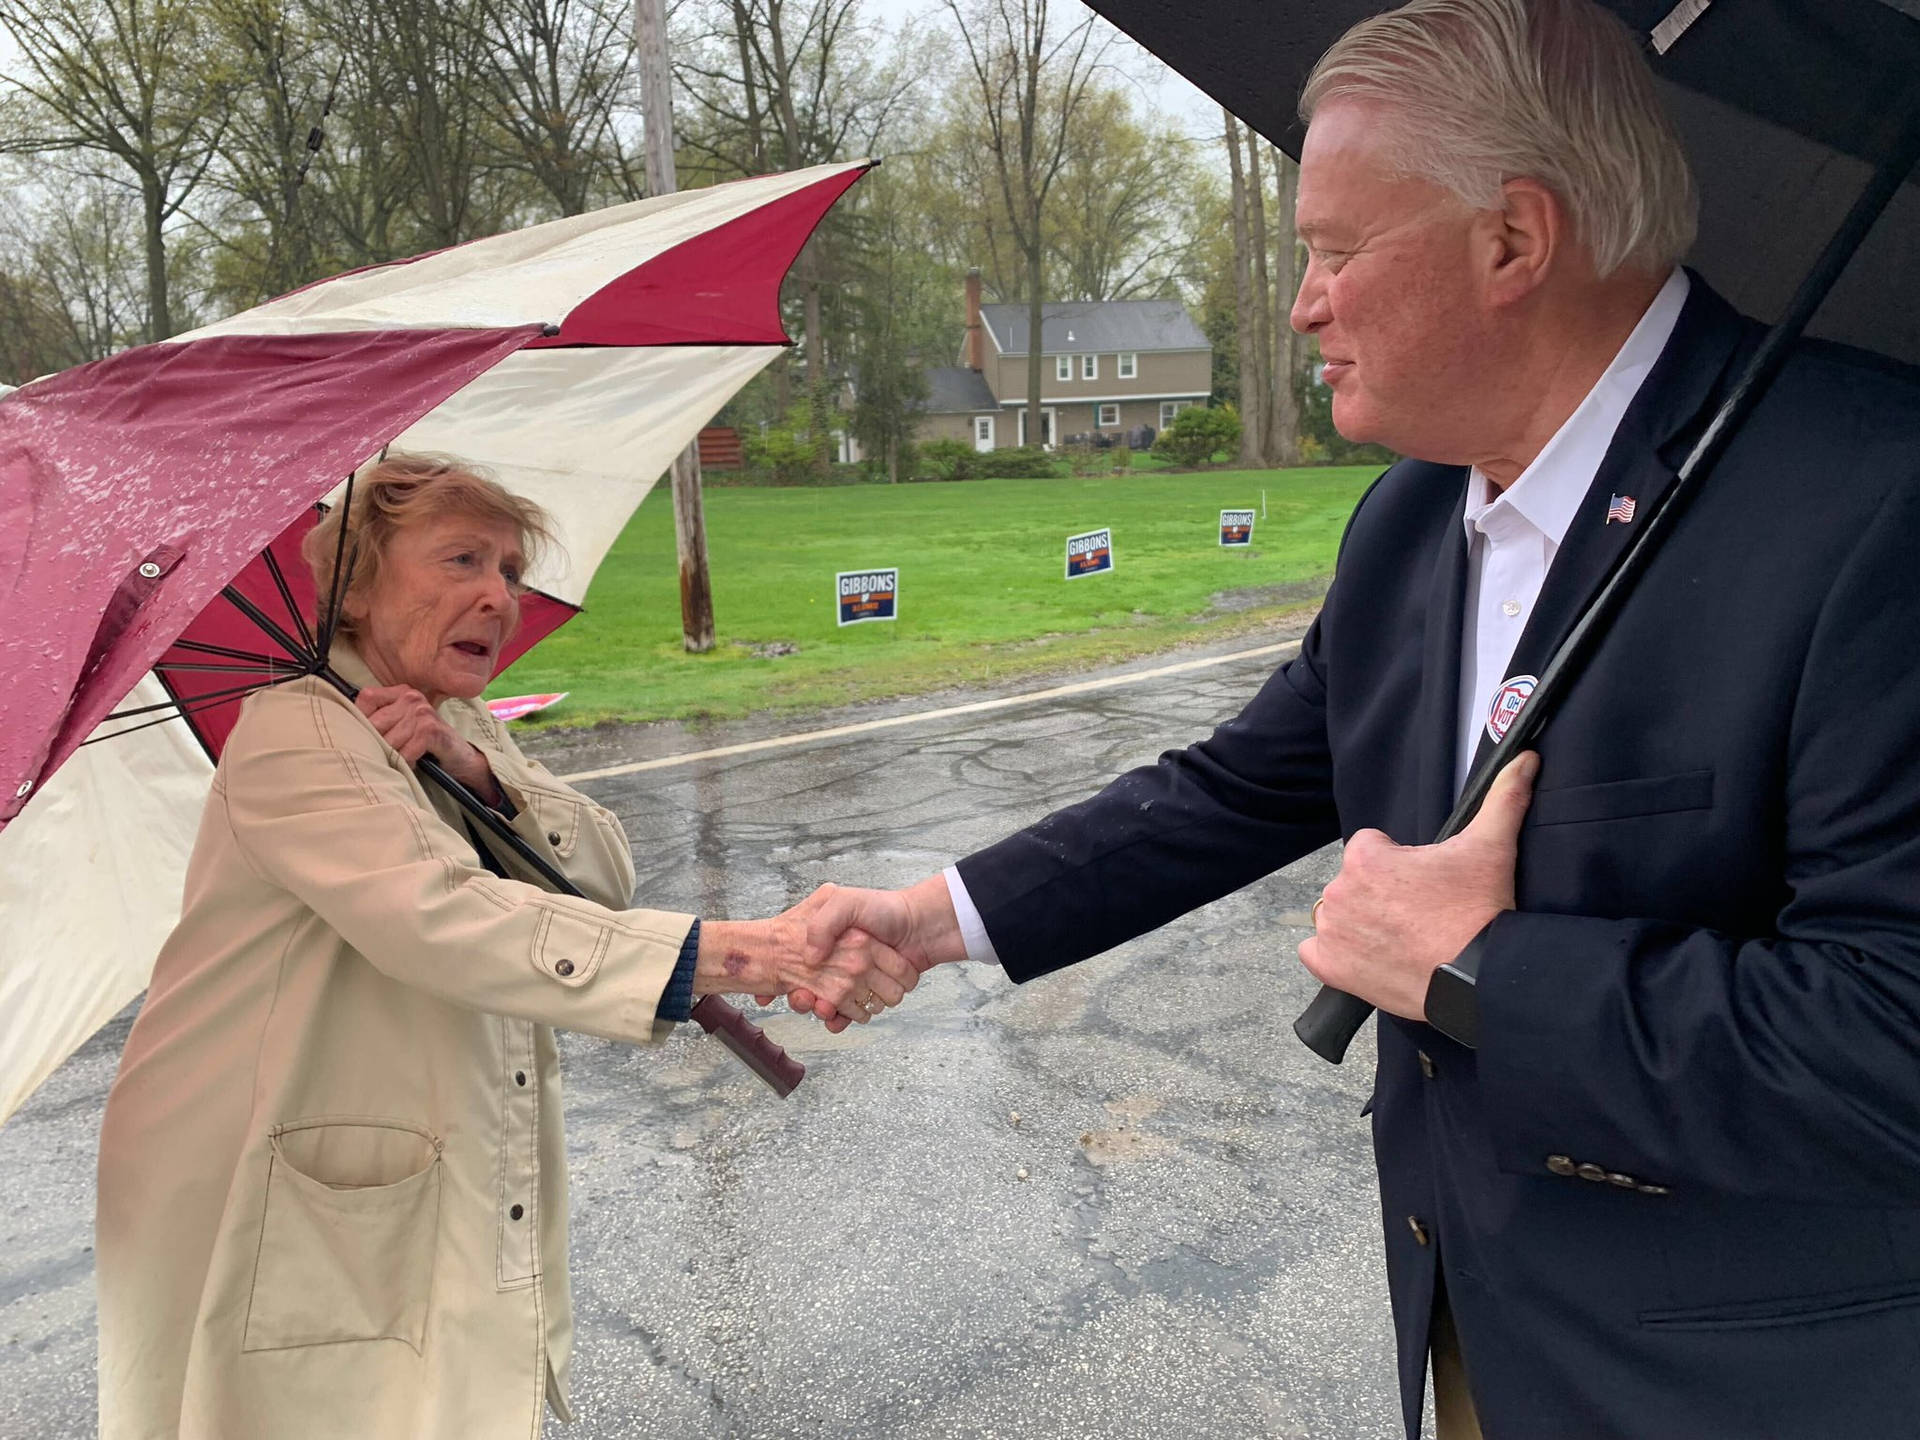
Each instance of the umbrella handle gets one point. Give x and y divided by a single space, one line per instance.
780 1070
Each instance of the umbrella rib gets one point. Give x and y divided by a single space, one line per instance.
266 662
286 596
211 697
267 624
182 708
225 652
330 622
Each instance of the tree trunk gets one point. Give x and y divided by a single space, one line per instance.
1283 408
1262 297
1036 361
1244 299
159 311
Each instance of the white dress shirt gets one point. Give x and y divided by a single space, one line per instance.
1512 537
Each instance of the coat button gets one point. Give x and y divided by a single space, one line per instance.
553 837
1426 1065
519 1077
1625 1182
516 1212
1419 1230
1653 1189
1560 1164
564 967
1589 1172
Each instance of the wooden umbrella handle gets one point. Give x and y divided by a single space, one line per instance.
747 1040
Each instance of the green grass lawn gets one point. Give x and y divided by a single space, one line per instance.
982 596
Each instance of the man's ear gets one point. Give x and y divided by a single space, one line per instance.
1528 236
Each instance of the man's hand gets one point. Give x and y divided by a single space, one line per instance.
1396 913
918 923
413 727
852 977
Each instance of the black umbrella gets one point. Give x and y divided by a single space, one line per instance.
1785 107
1803 129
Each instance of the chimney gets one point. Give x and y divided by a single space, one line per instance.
976 336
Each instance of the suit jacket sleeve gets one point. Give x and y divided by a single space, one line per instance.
321 807
1168 837
1778 1065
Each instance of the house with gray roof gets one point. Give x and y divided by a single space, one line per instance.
1110 367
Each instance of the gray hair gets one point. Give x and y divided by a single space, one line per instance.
1485 91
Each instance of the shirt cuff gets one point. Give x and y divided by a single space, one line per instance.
972 929
676 1004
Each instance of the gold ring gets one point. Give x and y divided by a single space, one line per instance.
1313 915
872 1003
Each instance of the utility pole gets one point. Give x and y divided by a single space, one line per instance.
689 517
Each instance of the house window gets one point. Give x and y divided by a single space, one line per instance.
1108 418
1089 367
1063 367
1171 408
1129 365
983 432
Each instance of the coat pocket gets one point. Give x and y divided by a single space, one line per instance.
347 1241
1622 799
1790 1310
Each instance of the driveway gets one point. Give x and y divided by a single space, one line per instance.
1120 1201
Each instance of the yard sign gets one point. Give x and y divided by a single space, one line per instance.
1090 553
867 594
1236 527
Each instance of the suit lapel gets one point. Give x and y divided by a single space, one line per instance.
1438 721
1641 463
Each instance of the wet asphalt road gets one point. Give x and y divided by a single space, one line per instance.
1120 1201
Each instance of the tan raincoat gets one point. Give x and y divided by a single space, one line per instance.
333 1194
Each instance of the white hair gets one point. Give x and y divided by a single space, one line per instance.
1479 92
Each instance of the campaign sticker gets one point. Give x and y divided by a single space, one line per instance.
1508 701
867 595
1089 553
1236 527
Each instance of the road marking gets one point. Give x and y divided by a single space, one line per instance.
808 737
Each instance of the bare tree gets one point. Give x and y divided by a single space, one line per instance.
1283 400
1248 300
555 72
124 81
1031 77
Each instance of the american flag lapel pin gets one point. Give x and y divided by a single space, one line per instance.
1620 508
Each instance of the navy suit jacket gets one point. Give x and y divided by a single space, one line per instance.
1707 1004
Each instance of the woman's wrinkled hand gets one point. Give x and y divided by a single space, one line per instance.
413 727
855 974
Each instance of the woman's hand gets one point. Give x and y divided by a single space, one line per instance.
413 727
854 974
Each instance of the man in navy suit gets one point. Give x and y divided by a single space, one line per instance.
1670 1186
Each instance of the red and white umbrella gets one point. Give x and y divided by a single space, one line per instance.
571 360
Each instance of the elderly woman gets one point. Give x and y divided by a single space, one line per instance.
332 1194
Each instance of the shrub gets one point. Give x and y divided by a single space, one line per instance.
787 453
947 460
1087 460
1197 433
1027 462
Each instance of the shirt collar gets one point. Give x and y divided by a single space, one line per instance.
1549 491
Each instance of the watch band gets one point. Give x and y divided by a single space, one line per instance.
1453 998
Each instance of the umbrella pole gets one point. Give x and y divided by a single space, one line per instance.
745 1039
1327 1026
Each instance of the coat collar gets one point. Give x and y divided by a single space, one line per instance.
1669 410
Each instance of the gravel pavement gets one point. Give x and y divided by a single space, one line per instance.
1121 1201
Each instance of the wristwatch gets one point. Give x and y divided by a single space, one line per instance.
1453 997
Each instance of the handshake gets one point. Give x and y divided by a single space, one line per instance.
841 954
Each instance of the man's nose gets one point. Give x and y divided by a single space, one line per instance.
1310 311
